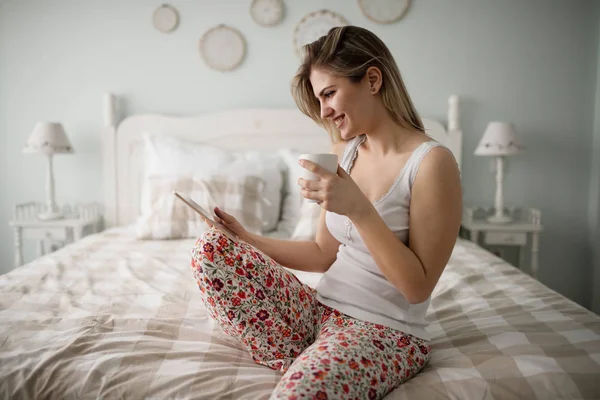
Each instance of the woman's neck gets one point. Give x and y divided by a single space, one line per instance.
386 136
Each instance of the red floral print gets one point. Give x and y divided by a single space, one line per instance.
322 352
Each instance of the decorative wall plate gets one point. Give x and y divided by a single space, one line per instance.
314 25
267 12
222 48
165 18
384 11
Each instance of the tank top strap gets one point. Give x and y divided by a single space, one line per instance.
351 151
412 165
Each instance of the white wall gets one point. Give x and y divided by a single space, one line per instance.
594 202
528 62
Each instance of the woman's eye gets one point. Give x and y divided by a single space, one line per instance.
329 94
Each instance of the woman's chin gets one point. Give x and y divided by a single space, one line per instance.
348 134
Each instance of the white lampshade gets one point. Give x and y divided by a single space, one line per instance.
499 139
48 138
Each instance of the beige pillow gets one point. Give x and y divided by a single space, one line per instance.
170 218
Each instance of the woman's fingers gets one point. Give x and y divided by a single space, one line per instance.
312 194
315 168
222 215
309 184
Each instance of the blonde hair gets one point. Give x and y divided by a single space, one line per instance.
348 51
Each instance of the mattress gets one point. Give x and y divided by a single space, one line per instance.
114 317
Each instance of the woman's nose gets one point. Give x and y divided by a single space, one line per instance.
326 112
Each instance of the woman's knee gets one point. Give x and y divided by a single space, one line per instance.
208 246
210 241
207 268
208 251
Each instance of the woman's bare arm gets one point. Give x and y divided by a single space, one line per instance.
435 213
311 256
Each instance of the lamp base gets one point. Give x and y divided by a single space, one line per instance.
499 219
48 216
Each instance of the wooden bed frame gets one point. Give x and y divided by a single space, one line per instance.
235 129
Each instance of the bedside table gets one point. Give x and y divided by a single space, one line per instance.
522 231
51 235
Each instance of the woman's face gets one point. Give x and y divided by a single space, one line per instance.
350 106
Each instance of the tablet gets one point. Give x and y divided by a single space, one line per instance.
196 207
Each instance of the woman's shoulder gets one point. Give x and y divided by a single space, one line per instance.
424 145
436 160
440 153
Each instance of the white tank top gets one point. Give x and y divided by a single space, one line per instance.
354 284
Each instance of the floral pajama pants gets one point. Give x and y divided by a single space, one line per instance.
323 353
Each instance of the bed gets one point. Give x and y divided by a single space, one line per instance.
114 316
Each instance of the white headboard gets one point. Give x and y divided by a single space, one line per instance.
237 129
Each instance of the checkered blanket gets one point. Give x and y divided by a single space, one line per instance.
114 317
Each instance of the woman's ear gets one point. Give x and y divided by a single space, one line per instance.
374 79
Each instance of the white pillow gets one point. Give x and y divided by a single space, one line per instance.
167 155
292 198
308 222
270 168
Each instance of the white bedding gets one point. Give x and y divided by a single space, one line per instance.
114 317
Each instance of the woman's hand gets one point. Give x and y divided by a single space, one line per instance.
337 193
231 223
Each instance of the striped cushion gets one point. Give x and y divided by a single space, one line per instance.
170 218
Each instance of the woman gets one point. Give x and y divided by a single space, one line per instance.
389 221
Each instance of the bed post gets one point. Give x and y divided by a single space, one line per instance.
454 131
109 160
453 113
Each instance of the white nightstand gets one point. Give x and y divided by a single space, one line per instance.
54 234
526 224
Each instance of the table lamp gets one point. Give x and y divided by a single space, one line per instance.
49 138
499 140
